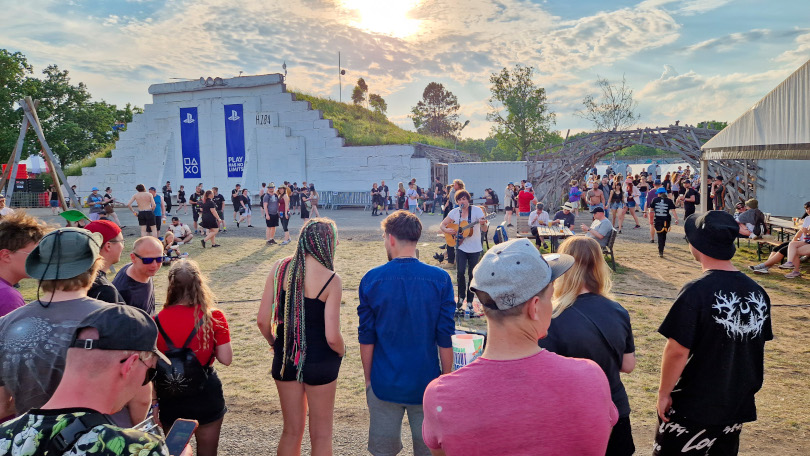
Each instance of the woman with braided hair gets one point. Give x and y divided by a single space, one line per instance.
300 317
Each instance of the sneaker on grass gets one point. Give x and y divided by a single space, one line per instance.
793 275
759 268
786 265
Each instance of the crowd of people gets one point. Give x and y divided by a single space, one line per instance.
557 339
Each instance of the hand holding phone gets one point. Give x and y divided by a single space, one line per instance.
179 435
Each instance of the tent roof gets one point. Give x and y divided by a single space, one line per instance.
776 127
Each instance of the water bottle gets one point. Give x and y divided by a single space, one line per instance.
466 313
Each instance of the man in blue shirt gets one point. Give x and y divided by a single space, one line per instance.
406 320
160 211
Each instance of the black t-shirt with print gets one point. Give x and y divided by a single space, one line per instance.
193 199
219 200
595 328
383 191
724 319
689 207
661 207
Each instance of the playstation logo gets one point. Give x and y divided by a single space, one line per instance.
234 117
189 119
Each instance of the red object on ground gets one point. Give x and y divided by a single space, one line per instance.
22 171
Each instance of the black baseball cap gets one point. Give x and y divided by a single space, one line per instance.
120 327
712 234
597 209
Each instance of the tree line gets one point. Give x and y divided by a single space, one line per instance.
75 126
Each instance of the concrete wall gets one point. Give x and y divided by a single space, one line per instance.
480 175
786 188
292 142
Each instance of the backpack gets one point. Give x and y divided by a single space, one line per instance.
500 235
184 376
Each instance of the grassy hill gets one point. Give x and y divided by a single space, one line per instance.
361 127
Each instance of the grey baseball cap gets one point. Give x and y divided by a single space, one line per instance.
514 271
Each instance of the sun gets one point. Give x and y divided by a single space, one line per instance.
385 17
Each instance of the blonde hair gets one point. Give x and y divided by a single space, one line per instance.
83 280
188 287
459 182
589 271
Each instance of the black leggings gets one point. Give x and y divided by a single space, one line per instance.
466 261
284 222
783 249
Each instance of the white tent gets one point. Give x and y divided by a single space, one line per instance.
776 127
35 164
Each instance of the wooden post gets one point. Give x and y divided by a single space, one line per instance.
704 188
30 113
15 161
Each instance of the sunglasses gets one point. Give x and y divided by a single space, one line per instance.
149 260
151 372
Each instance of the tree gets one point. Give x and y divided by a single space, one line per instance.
713 124
520 111
377 103
614 110
359 92
437 113
14 85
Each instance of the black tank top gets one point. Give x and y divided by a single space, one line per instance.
314 326
617 196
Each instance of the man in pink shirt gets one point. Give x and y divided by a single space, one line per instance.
19 234
535 402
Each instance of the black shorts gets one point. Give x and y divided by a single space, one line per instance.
304 211
206 407
683 437
621 439
271 220
220 214
320 371
146 218
195 214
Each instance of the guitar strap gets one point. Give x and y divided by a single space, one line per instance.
460 232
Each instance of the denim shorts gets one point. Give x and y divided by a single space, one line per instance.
631 204
591 207
616 206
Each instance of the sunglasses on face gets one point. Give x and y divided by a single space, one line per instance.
149 260
151 372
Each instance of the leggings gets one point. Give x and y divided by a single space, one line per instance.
783 249
466 261
284 221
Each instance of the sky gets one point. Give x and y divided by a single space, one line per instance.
687 60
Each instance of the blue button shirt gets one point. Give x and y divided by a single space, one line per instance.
157 210
406 311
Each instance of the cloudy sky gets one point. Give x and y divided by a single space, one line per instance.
690 60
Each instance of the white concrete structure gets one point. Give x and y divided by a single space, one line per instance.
284 139
478 176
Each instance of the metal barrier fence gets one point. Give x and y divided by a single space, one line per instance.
338 199
29 200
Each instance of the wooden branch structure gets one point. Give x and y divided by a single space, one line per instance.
31 120
552 168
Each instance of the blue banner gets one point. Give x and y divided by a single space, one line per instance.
190 142
235 139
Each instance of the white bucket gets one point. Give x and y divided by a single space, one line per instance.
466 348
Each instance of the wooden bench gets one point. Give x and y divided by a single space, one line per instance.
522 227
766 244
608 249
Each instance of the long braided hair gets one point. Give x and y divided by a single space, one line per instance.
318 238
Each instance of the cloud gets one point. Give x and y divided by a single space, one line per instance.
729 42
685 7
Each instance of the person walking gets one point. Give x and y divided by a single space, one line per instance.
146 207
588 323
53 200
691 198
306 205
468 248
632 194
181 200
96 203
313 199
716 332
299 316
413 198
196 200
509 203
271 210
219 201
661 210
246 212
401 327
109 206
574 195
283 213
617 202
516 398
159 212
190 314
211 218
236 201
167 197
375 200
595 197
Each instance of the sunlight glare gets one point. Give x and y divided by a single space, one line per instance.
386 17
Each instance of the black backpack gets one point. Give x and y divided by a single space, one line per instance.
185 376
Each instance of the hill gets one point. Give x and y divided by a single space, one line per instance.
362 127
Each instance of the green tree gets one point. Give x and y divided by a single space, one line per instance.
712 124
14 85
437 113
519 109
359 92
377 103
613 110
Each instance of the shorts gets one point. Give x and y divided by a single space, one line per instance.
146 218
271 220
322 364
206 407
195 214
631 204
413 209
284 221
304 211
221 214
616 206
54 203
524 214
681 436
385 426
591 207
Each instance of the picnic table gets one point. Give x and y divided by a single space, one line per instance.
783 225
549 232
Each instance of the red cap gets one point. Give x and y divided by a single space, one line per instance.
106 228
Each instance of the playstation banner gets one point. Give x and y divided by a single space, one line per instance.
235 139
190 142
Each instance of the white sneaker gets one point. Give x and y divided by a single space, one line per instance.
759 268
786 265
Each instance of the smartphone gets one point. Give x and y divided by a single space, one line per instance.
179 435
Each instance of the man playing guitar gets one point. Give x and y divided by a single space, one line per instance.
468 249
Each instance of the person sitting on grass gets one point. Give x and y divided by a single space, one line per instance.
793 251
170 249
540 402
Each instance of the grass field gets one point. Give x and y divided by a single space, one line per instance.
253 424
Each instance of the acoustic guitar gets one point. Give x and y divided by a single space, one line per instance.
464 231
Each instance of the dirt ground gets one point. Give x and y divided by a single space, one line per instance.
239 269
